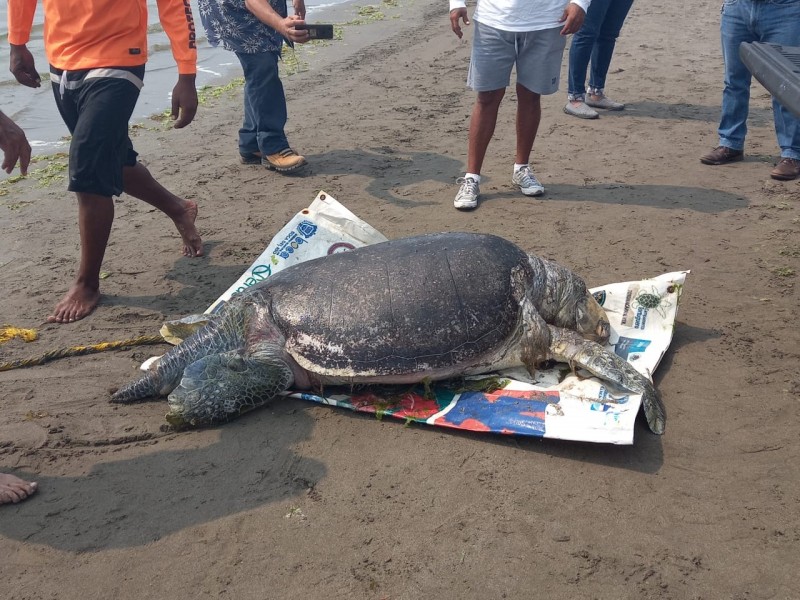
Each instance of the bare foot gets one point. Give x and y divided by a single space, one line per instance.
192 244
13 489
78 303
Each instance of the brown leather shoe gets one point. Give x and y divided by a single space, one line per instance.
721 155
284 161
787 169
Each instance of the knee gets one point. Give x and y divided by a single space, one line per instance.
490 99
608 36
527 97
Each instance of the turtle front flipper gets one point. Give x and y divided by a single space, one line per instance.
568 346
219 387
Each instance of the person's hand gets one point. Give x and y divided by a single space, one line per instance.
184 101
15 146
299 7
572 18
22 66
455 15
291 33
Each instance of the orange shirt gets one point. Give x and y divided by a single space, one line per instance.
86 34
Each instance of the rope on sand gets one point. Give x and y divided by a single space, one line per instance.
81 350
7 332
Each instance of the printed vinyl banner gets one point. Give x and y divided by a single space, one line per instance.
323 228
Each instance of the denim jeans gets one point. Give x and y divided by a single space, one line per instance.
775 21
595 42
264 105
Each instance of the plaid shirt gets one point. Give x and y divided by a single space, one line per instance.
228 22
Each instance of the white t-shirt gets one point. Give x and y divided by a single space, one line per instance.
520 15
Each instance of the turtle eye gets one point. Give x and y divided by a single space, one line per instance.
591 320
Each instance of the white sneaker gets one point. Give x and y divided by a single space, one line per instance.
527 182
467 196
603 102
581 110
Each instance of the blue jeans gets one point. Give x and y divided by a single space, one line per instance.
264 105
595 42
776 21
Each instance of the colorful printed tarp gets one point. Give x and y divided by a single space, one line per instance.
556 403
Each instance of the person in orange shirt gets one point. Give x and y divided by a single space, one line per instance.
97 50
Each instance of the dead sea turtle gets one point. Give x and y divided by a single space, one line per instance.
420 308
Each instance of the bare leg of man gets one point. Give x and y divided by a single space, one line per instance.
481 127
529 113
140 184
95 216
13 489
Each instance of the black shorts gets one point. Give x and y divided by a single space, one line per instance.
96 105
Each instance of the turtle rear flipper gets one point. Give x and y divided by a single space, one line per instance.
218 336
568 346
219 387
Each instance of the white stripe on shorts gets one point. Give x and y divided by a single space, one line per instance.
95 74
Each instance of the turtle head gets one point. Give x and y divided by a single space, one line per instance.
573 306
591 320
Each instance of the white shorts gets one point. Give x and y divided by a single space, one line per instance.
537 55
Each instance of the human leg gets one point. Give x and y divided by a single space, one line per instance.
583 43
262 133
13 489
529 114
538 68
105 163
481 127
248 140
603 51
787 130
490 65
96 111
95 216
735 29
606 41
140 183
580 53
96 106
779 23
492 59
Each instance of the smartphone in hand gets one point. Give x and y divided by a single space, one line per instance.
318 31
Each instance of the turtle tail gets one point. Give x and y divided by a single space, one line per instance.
161 379
166 374
145 387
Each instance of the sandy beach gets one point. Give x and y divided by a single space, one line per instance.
304 501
